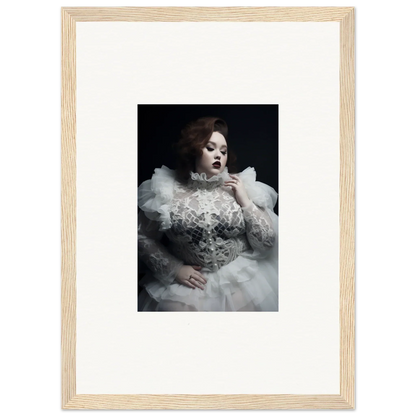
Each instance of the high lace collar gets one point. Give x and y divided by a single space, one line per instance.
200 180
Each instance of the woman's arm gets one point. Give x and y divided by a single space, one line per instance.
163 265
259 227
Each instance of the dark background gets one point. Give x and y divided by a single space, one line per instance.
252 135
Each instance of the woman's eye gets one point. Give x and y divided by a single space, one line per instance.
210 149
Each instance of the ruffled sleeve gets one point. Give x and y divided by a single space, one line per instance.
155 196
261 194
259 216
154 200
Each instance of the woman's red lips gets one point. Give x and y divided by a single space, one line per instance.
217 164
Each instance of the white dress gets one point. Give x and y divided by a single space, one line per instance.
236 247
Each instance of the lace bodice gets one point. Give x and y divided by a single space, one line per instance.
203 222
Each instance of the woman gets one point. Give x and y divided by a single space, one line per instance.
222 231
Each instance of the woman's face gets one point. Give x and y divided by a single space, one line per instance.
214 156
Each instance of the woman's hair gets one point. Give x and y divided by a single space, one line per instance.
194 138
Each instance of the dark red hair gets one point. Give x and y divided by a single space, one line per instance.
194 138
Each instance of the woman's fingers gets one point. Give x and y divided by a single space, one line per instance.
195 282
198 274
198 284
189 284
200 277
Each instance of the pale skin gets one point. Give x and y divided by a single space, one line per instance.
215 151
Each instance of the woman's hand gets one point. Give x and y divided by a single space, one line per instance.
239 190
191 277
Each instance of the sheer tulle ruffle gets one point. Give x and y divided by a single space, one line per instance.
261 194
155 196
202 177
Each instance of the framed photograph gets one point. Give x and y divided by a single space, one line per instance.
233 128
231 244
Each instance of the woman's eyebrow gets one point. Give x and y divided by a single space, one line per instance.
214 144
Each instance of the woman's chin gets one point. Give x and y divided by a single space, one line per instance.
215 171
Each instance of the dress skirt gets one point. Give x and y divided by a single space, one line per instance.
245 284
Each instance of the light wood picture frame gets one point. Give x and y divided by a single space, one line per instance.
346 398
